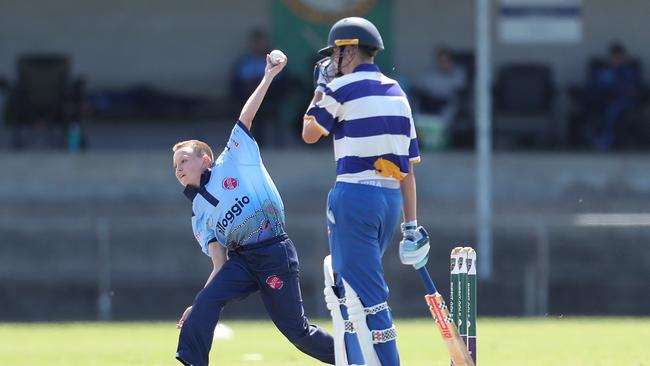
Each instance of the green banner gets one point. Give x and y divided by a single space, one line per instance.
300 29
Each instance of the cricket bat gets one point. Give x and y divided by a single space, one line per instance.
455 345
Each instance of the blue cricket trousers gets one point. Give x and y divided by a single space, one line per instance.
361 221
272 268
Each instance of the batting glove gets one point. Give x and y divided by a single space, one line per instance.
324 72
414 247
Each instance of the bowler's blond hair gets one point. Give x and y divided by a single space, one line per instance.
200 148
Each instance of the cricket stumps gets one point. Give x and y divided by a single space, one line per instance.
462 302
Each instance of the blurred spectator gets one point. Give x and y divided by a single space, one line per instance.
249 67
613 89
247 72
439 88
438 94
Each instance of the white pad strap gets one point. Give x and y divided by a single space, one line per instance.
383 336
349 327
377 308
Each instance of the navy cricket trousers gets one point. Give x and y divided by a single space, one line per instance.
272 268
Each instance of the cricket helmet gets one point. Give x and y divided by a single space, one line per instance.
352 31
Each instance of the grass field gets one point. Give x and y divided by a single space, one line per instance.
504 342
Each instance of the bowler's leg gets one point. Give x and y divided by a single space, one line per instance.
233 282
283 301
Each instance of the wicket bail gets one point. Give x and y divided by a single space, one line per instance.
462 304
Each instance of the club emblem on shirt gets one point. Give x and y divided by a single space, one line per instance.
230 183
234 142
274 282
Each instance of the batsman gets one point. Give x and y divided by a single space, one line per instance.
375 147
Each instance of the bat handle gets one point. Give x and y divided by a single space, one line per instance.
426 279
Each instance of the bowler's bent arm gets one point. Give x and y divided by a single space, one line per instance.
218 256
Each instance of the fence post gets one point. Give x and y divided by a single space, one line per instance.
542 270
104 302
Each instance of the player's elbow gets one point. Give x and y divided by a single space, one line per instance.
310 137
310 131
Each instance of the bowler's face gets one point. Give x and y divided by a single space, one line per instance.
188 167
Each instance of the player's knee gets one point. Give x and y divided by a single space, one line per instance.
205 298
296 334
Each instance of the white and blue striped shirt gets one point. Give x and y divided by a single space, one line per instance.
372 123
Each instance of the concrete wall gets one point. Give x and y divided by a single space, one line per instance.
189 46
449 177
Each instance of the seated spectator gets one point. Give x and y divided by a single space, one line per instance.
439 88
612 89
249 67
247 72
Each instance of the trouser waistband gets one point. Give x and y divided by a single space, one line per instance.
383 183
263 243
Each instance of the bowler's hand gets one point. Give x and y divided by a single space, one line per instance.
186 313
414 247
272 70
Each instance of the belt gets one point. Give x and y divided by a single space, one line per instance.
260 244
384 183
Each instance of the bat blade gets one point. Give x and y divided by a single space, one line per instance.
455 346
454 343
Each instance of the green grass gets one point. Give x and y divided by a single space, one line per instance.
503 342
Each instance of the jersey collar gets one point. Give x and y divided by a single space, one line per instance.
191 191
366 67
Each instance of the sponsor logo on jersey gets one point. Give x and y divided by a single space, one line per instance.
230 183
232 213
197 236
274 282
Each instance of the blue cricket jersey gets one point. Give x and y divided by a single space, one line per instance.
236 203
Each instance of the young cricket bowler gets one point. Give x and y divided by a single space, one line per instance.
238 220
375 148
